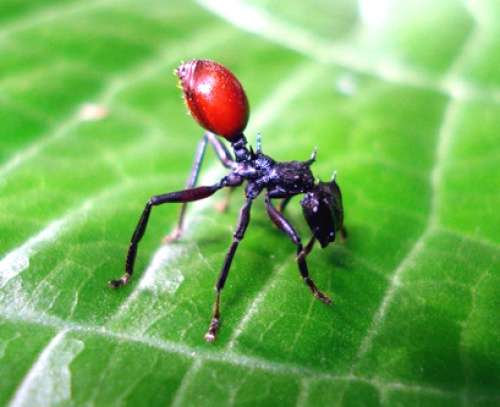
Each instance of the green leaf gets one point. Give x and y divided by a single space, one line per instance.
402 98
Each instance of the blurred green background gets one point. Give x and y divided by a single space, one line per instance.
402 98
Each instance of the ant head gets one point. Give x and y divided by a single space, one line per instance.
323 211
214 97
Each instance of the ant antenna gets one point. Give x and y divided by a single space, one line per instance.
259 143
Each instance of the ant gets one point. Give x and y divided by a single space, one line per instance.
217 101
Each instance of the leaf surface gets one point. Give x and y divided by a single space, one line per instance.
402 99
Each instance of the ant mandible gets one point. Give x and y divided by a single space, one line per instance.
217 101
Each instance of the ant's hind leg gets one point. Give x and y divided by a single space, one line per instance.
282 223
226 160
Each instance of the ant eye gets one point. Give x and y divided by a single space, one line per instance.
214 97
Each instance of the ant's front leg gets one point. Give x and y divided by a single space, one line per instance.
226 160
187 195
282 223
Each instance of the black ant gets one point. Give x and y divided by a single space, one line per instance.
217 101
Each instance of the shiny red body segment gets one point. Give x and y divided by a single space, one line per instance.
214 97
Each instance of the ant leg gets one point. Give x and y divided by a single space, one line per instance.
343 233
282 205
223 153
243 220
306 250
187 195
282 223
222 206
225 158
